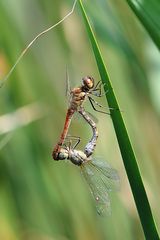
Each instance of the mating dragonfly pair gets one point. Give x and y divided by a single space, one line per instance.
100 177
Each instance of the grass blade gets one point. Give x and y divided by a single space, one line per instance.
126 149
148 13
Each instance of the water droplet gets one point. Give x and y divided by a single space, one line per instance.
97 198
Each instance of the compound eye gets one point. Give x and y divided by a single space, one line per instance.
62 154
88 82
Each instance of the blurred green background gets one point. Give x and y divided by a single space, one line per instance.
41 199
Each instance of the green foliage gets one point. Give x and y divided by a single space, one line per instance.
149 14
41 199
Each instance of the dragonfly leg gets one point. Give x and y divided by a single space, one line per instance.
97 91
93 101
97 88
98 83
70 139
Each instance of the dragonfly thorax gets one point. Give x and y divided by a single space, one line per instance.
77 157
78 97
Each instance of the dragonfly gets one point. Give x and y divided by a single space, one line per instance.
99 175
78 97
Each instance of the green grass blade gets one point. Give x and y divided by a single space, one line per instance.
126 149
148 13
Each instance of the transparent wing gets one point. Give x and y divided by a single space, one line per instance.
101 179
112 180
68 88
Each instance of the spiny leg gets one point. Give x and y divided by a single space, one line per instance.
70 140
99 88
92 100
98 83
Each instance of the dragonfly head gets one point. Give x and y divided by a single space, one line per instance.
88 82
60 154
